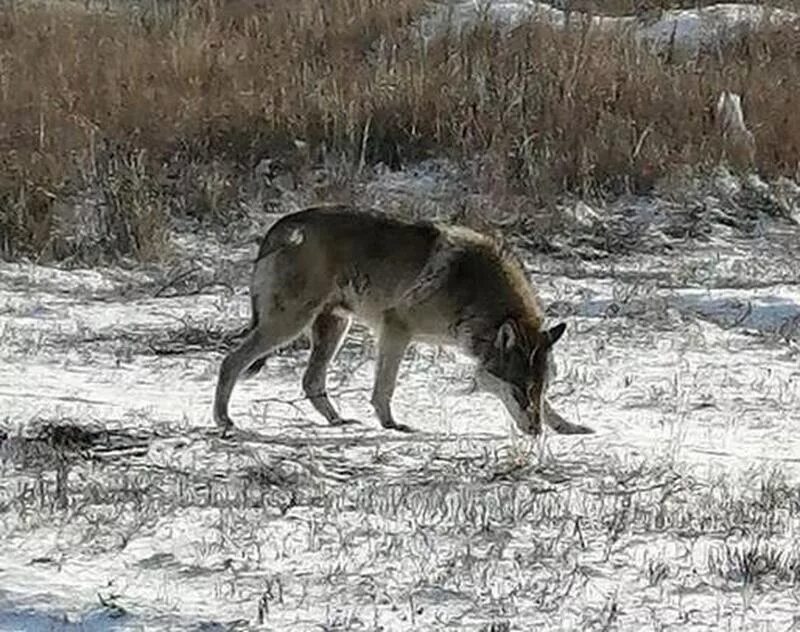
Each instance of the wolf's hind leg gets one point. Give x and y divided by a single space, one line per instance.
327 334
270 334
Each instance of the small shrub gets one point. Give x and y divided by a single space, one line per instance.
751 561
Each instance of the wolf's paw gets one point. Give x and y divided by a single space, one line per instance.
339 421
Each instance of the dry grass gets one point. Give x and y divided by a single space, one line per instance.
167 92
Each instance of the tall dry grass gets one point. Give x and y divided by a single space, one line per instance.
238 81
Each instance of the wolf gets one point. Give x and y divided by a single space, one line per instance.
319 268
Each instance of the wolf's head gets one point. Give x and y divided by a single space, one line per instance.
518 366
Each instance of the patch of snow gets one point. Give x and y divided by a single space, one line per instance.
462 15
687 29
694 29
426 189
583 214
27 614
774 311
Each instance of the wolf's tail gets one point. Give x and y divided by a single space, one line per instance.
282 235
256 366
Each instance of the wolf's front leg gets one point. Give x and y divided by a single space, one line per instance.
561 425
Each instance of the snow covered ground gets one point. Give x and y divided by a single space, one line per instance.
688 30
120 507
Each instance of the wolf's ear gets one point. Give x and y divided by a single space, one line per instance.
552 335
506 336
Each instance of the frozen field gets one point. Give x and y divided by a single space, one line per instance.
121 508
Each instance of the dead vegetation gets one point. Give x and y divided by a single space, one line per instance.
135 117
